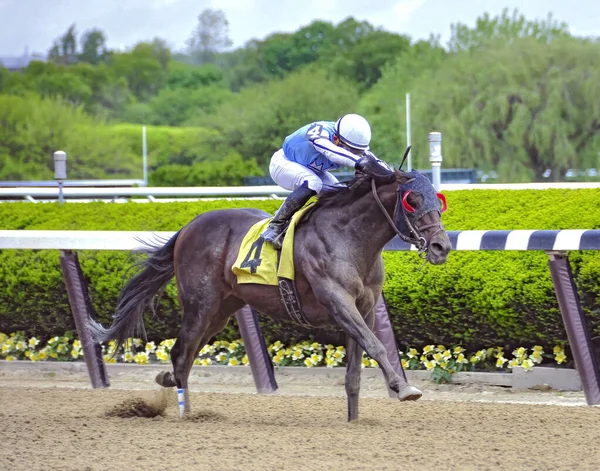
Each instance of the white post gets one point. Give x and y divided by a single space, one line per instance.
60 172
435 157
409 160
145 154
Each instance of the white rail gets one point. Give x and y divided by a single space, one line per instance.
266 191
521 240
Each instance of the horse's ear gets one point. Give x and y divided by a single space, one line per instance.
401 176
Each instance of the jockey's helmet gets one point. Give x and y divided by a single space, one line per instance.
354 131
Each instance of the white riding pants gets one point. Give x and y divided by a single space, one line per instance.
290 175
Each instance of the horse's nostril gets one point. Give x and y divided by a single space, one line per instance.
436 248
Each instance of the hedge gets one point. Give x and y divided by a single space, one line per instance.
477 299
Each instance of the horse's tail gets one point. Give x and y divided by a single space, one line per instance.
155 272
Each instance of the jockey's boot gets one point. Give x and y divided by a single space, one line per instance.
296 199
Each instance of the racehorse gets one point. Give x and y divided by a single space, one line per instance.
338 263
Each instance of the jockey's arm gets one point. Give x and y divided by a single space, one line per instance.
336 154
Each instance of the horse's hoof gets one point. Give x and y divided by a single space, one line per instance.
165 379
409 393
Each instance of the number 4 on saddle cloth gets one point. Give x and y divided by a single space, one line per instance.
258 262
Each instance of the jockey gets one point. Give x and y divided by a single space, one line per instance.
303 164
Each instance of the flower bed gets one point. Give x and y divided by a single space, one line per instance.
438 359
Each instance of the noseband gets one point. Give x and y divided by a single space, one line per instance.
415 238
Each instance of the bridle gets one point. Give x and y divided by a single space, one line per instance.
415 238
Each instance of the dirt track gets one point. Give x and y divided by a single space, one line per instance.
65 427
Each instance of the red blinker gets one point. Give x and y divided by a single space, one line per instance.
407 206
443 200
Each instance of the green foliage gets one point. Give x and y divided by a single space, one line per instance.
257 120
230 171
476 299
505 28
518 109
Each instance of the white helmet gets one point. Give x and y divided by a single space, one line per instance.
354 131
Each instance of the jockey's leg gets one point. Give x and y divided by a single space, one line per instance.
304 184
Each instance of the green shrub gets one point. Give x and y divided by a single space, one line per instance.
476 299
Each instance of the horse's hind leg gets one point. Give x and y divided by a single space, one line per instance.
201 320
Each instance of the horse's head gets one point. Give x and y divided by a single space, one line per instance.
417 216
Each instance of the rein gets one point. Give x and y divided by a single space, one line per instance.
416 238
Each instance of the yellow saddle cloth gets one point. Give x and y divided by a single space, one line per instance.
257 260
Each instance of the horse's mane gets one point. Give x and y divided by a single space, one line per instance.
341 195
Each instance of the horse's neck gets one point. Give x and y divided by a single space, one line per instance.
364 224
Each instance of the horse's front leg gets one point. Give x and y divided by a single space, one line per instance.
353 369
342 307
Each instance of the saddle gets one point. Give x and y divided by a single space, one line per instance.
258 262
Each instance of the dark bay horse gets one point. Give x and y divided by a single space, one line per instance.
339 271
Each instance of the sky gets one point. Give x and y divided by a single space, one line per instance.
35 24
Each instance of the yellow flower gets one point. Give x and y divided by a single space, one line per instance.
138 342
412 353
560 357
42 354
440 348
28 353
20 346
297 355
62 348
536 356
519 352
33 356
458 350
141 358
76 344
205 361
373 363
233 362
329 362
527 364
538 348
430 365
245 360
338 355
461 358
512 363
308 362
128 356
150 347
500 360
404 363
10 358
438 357
161 354
428 349
206 350
315 358
557 349
446 354
232 347
221 357
443 365
75 353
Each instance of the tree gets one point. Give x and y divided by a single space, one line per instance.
256 120
504 28
93 47
518 109
64 50
210 36
384 104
